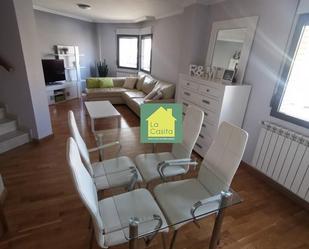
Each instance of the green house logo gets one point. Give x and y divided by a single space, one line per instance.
161 123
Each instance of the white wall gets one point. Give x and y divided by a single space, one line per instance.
275 22
29 41
59 30
27 104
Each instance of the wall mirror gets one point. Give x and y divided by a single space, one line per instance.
230 44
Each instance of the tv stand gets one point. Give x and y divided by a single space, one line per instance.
72 86
54 83
60 92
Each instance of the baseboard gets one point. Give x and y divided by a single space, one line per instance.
38 141
277 186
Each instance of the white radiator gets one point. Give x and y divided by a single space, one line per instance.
125 73
283 155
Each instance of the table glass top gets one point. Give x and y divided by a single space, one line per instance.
179 201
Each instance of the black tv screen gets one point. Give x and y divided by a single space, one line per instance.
53 70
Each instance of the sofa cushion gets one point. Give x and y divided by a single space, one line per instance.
167 89
105 82
92 83
151 94
149 84
119 81
138 101
105 92
134 94
158 95
140 82
130 82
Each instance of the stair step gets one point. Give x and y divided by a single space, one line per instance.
2 113
12 140
7 125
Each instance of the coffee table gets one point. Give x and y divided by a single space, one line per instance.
101 109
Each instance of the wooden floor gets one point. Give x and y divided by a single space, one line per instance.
43 210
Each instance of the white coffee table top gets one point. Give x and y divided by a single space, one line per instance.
101 109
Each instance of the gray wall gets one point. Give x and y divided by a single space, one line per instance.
276 18
59 30
23 90
166 48
177 41
107 43
194 27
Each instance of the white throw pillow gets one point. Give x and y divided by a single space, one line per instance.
139 83
130 82
158 95
151 95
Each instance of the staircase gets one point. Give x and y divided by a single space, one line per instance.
10 136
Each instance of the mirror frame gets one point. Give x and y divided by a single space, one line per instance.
248 23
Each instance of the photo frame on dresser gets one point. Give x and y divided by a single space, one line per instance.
240 32
228 76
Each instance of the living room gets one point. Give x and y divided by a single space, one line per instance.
105 75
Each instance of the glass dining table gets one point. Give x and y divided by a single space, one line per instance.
211 196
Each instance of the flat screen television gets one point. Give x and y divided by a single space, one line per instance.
53 70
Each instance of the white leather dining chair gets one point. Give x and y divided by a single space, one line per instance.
116 172
108 215
181 200
177 162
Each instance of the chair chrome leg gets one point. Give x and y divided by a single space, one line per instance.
214 241
133 233
173 239
215 237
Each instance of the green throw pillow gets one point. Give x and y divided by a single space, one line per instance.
105 82
92 83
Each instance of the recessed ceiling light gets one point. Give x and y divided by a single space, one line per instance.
84 6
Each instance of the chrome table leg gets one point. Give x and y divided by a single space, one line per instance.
215 237
133 233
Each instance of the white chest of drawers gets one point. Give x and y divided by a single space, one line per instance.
219 103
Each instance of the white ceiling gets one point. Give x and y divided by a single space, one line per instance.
117 10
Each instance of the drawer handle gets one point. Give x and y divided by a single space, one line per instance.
206 114
207 90
185 104
183 114
186 93
201 136
198 145
206 102
203 125
188 84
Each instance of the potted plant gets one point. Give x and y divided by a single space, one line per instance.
102 68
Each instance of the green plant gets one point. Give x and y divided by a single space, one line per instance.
102 68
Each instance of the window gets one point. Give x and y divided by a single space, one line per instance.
127 51
291 100
146 45
134 52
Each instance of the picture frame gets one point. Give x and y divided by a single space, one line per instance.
218 74
228 76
